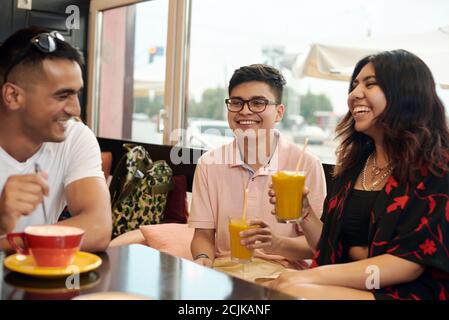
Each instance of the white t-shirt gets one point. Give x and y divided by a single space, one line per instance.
77 157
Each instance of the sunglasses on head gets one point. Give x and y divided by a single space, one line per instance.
44 42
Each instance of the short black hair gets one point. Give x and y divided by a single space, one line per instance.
259 72
15 44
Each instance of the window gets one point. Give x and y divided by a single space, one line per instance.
178 56
132 64
225 35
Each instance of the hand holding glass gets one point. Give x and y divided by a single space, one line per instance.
289 188
239 252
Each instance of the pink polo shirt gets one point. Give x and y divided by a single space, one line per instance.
221 178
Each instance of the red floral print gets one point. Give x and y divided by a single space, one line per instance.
428 247
391 183
333 203
424 222
447 210
399 202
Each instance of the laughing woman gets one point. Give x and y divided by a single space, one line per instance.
384 232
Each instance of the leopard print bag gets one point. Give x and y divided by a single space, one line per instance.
139 189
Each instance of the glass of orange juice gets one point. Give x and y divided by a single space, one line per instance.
288 186
239 253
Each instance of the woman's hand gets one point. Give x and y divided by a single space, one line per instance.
288 280
306 209
272 196
260 236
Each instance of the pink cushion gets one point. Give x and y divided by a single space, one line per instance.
176 210
172 238
129 237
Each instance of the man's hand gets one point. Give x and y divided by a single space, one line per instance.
259 236
21 195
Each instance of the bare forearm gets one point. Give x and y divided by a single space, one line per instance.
203 242
98 232
88 201
389 270
295 248
312 228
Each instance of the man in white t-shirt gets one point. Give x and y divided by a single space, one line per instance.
48 159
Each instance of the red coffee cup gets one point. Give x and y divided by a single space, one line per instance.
50 245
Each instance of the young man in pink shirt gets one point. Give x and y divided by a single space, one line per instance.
223 174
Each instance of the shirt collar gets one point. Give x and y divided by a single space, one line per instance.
235 158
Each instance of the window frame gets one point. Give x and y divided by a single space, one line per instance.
177 63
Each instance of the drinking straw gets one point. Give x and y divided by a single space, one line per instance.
301 157
245 204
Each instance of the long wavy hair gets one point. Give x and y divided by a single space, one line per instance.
415 131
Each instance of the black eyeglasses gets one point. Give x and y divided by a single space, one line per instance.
44 42
255 105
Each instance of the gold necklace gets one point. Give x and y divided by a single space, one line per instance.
375 182
375 171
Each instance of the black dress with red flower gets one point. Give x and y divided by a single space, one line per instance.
409 221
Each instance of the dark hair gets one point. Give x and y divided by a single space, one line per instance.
259 72
413 122
17 42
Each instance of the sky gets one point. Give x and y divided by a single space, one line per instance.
228 34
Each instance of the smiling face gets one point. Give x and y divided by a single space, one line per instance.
246 119
52 101
366 101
